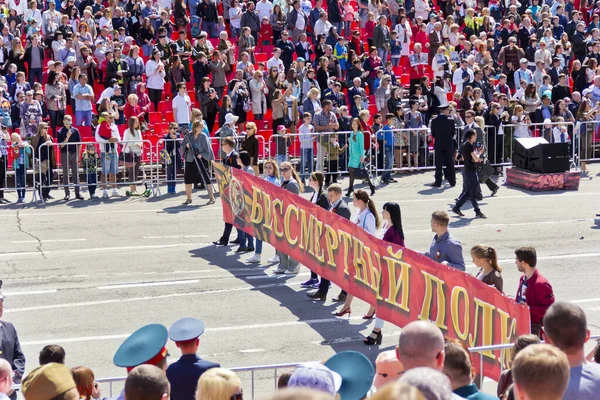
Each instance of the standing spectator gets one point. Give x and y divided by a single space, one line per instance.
132 150
251 19
117 69
534 290
443 131
334 14
207 11
182 106
505 382
198 154
251 146
381 38
69 155
565 327
471 156
31 115
325 123
541 372
287 49
217 66
155 78
230 160
84 95
297 22
307 145
258 90
444 248
34 55
56 100
136 68
107 135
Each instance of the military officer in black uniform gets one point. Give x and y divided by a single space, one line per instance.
443 131
10 348
147 345
185 372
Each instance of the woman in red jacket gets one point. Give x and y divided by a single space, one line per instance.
133 109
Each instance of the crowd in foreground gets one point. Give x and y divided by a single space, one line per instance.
424 366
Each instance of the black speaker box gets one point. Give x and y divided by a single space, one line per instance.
546 165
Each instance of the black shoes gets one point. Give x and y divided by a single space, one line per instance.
373 338
317 296
372 189
79 197
341 298
220 242
457 211
495 191
436 185
236 241
481 215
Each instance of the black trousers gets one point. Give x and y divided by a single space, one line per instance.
3 167
155 97
444 158
469 191
226 232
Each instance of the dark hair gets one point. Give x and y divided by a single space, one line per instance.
363 196
245 158
566 326
146 382
522 342
393 209
53 353
470 133
284 378
319 177
527 254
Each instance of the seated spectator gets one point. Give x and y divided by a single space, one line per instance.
146 382
6 379
315 376
52 353
565 325
218 384
396 390
50 382
457 367
84 379
541 372
506 380
431 383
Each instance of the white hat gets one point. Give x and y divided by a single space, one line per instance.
586 91
230 118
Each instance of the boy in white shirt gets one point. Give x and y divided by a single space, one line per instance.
307 145
182 106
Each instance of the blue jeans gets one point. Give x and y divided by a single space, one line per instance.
92 180
210 28
20 180
338 26
245 238
236 32
306 160
171 177
383 54
280 158
35 73
258 246
83 118
389 163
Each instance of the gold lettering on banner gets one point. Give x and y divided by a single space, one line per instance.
268 211
428 297
277 203
359 261
256 216
291 209
376 274
331 243
457 291
397 282
487 315
306 228
346 240
372 276
316 249
507 332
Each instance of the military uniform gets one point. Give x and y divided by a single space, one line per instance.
10 349
144 346
183 374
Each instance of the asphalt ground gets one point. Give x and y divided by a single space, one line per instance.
85 274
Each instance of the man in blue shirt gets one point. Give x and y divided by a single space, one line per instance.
386 137
444 248
83 94
185 372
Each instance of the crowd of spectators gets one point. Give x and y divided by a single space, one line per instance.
513 69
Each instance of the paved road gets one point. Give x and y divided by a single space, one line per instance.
86 274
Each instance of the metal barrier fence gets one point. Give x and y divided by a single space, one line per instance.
275 368
136 154
18 158
588 133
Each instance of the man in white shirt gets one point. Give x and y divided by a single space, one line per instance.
264 9
182 106
523 73
322 26
462 76
275 61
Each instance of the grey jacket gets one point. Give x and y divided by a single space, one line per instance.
202 145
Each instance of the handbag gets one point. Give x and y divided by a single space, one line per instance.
286 121
361 172
484 171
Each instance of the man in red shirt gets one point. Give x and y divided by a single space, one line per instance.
534 290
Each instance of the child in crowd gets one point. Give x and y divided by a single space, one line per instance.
370 28
333 158
89 159
21 156
307 146
378 79
341 53
11 77
395 48
265 34
386 136
221 25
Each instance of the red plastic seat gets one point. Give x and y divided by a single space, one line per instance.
161 128
85 132
154 117
165 107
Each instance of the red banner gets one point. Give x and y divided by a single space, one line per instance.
404 285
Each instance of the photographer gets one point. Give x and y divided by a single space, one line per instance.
471 156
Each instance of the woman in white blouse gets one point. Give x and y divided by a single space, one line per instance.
132 151
369 220
404 34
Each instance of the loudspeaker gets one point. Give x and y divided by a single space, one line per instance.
537 155
524 145
546 165
549 150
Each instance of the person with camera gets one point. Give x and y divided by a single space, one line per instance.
471 156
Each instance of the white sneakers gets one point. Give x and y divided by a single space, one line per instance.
115 193
254 259
105 194
274 259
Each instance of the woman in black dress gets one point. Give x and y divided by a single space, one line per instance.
251 145
197 147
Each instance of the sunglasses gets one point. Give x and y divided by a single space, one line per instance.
285 169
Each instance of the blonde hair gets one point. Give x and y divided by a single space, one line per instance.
251 125
313 91
196 114
274 165
218 384
397 390
133 96
541 371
